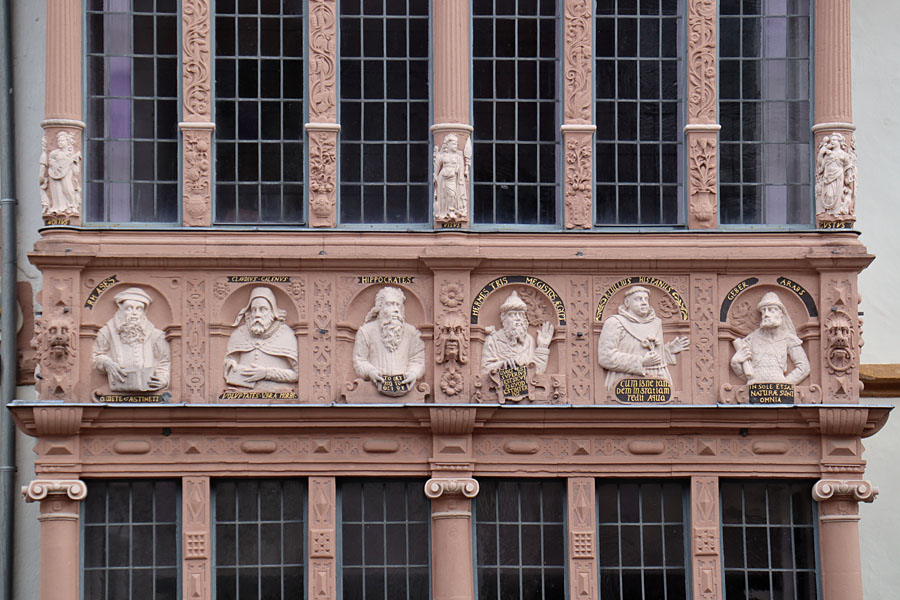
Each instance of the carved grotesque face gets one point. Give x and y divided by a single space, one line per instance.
515 324
58 339
638 304
772 316
840 335
260 316
452 341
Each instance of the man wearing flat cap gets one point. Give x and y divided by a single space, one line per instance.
761 357
130 350
262 352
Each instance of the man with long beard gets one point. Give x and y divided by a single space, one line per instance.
262 352
761 357
512 346
130 350
631 342
386 345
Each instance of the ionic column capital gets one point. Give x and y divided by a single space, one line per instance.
448 486
839 489
39 489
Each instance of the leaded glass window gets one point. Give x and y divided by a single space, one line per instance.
515 103
764 109
259 530
638 112
384 111
641 543
520 539
131 541
385 540
131 140
259 83
768 540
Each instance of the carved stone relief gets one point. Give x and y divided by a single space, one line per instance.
197 177
55 353
262 351
196 344
322 51
451 179
701 65
580 351
512 346
836 178
130 350
322 340
703 333
579 187
578 56
702 179
195 59
322 177
60 176
195 511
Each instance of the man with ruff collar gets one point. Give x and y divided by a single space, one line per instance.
262 352
386 344
129 349
631 342
512 346
761 357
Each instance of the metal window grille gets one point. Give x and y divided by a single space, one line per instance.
259 533
259 84
520 539
768 540
384 111
131 541
385 540
641 543
131 141
639 86
515 102
764 108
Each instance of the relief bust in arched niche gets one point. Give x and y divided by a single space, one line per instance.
261 355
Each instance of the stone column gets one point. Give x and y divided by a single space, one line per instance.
322 130
195 509
63 126
839 535
322 535
451 537
833 115
60 563
702 129
582 539
706 561
451 48
577 129
197 126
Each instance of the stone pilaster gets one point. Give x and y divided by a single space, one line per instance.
582 538
195 508
322 130
577 129
60 503
706 557
839 535
322 536
196 127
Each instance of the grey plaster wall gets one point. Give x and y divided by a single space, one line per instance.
876 100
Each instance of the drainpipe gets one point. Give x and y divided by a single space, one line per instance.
7 301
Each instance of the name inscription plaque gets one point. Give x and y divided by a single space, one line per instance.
393 385
771 393
645 390
514 381
133 398
258 396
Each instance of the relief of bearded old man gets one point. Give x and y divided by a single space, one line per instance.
512 346
386 345
631 342
262 352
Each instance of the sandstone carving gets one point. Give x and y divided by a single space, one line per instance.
451 179
841 349
761 357
631 342
61 187
452 343
512 346
387 347
262 352
132 352
835 178
54 353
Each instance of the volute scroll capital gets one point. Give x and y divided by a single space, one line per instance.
838 489
39 489
446 486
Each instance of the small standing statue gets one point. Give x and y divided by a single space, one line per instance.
63 178
451 180
835 179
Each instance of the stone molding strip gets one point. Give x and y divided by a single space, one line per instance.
196 126
829 126
578 128
702 127
323 127
39 489
438 127
63 123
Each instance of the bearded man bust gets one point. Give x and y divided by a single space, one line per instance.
386 345
512 346
130 350
262 352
